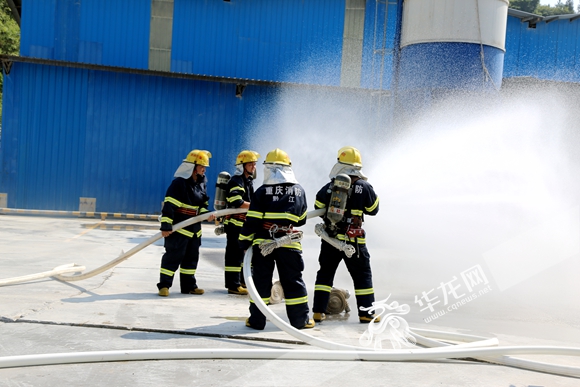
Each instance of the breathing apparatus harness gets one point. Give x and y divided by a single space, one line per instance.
219 203
340 190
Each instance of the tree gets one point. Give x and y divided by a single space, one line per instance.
559 9
534 6
525 5
9 39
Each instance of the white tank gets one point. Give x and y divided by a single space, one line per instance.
465 21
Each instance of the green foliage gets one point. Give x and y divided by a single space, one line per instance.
9 38
9 31
558 9
524 5
534 6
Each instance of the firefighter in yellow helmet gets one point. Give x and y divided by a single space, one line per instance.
361 200
239 193
278 206
186 197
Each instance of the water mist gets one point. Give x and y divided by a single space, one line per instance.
457 186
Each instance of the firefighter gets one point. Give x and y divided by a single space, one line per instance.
361 199
239 193
186 197
278 206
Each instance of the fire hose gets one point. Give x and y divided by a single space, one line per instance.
495 355
68 268
58 271
472 347
347 249
267 246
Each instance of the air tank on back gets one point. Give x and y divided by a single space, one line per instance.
221 190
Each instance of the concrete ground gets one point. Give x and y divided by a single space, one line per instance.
119 309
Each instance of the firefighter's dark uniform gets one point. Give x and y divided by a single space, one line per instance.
184 198
240 189
362 200
281 205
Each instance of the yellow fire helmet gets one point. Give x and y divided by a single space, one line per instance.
350 155
277 156
247 156
198 157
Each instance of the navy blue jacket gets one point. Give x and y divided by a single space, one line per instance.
184 198
280 204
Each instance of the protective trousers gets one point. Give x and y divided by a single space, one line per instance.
290 266
360 272
183 251
234 258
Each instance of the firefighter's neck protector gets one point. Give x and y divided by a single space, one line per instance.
347 170
185 170
240 171
278 174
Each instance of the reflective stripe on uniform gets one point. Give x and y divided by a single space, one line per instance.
238 188
284 215
293 245
318 204
234 198
165 219
342 237
167 272
235 222
372 208
187 271
297 301
246 238
322 288
255 214
188 234
266 300
233 269
364 292
180 204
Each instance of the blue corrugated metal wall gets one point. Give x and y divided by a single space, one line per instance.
260 39
288 41
71 133
551 51
105 32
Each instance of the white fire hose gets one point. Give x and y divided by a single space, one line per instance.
473 347
68 268
58 271
494 355
347 249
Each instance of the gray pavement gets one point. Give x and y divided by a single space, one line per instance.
120 310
